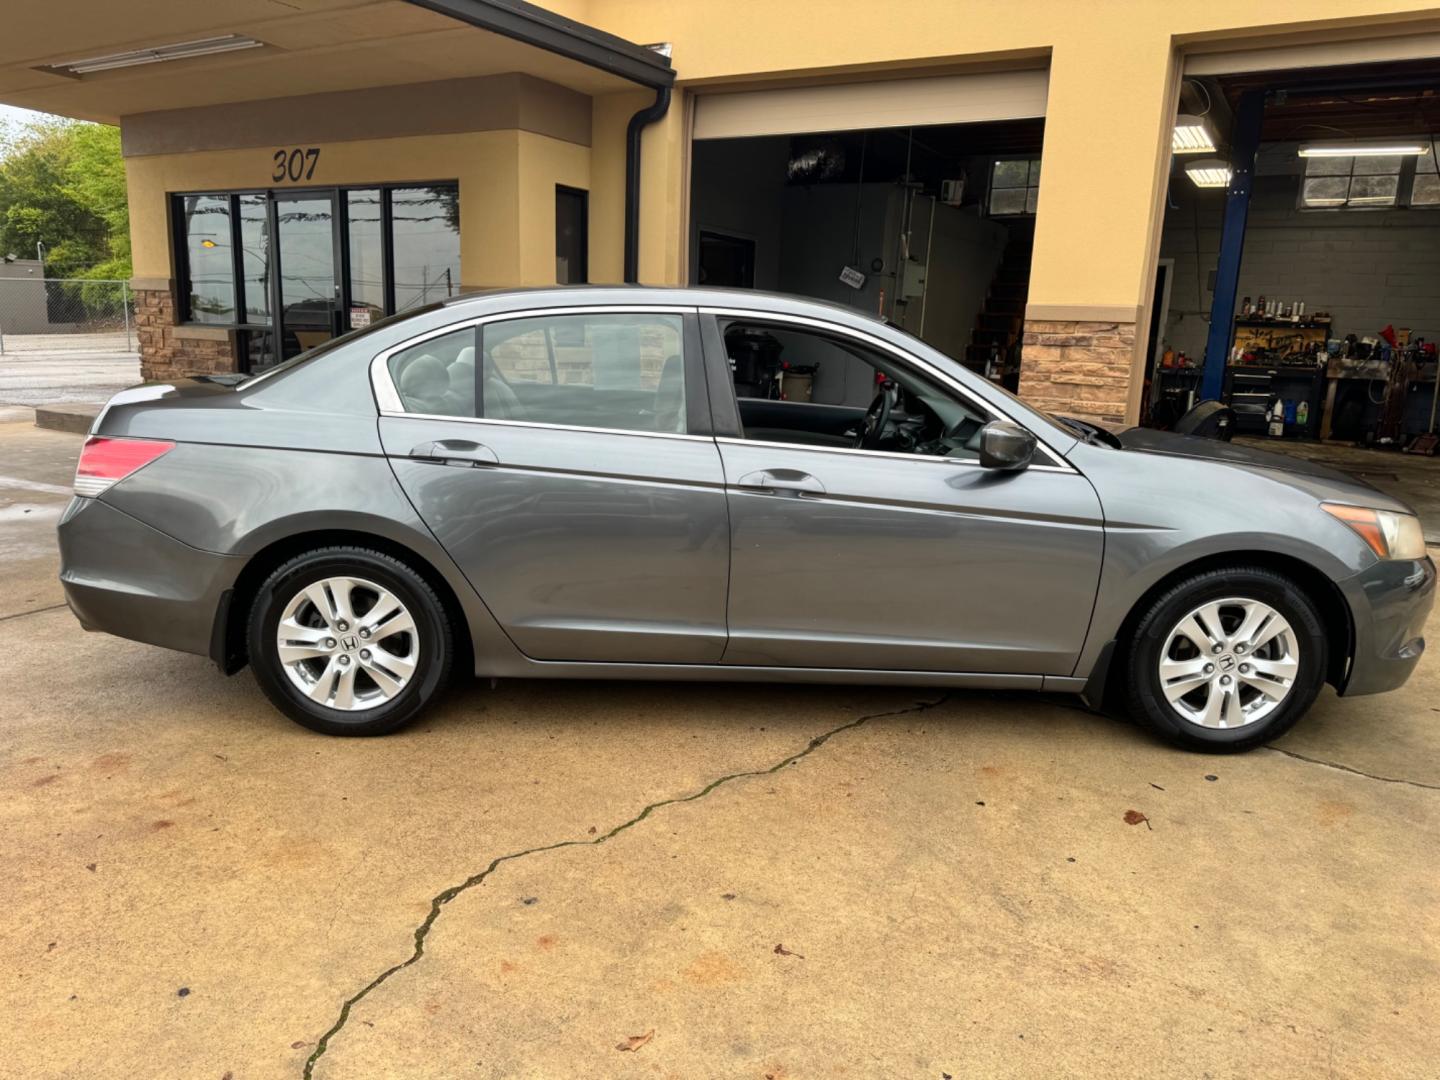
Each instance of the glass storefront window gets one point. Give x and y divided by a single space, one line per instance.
367 257
425 226
337 259
209 258
255 257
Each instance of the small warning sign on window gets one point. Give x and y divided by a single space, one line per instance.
359 316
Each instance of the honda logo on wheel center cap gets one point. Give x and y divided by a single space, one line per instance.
1226 662
352 643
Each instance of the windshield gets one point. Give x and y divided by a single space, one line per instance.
336 342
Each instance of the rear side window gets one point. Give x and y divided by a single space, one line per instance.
437 376
621 371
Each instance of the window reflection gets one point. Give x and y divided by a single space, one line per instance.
255 257
209 257
367 258
425 225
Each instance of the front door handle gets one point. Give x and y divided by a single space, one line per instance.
455 452
781 481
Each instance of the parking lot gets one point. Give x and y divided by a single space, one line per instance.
615 879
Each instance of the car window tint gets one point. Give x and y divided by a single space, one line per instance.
608 371
437 376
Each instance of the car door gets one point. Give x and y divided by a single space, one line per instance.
555 455
844 558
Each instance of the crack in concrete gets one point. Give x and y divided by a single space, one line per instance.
1357 772
36 611
438 903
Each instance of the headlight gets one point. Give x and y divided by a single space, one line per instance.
1391 535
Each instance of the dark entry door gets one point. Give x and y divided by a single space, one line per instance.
307 263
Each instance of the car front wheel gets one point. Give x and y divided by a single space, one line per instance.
348 641
1227 659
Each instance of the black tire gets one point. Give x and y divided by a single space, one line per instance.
435 640
1146 696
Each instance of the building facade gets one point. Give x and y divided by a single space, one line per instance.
319 165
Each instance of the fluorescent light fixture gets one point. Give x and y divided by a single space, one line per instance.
1191 136
180 50
1209 172
1412 147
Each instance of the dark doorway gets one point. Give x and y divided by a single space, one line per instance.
572 257
726 261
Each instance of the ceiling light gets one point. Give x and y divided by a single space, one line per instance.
1390 149
1191 135
180 50
1209 172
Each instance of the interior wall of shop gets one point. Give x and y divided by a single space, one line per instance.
805 234
1368 268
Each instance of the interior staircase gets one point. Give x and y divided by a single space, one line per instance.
1001 321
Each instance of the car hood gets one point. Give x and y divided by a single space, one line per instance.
1320 480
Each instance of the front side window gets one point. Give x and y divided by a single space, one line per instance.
1014 187
621 371
827 390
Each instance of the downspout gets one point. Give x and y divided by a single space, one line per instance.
638 123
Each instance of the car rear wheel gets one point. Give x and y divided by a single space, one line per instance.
348 641
1227 659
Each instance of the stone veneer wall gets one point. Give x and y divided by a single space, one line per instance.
168 351
1078 368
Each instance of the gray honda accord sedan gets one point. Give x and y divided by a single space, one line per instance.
703 484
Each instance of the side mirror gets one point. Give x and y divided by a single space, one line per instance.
1005 445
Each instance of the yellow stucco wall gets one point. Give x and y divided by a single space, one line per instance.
507 183
1112 82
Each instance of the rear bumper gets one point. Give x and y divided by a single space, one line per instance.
125 578
1389 603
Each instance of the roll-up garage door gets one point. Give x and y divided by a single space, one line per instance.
939 99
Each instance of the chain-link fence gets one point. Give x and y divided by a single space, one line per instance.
43 315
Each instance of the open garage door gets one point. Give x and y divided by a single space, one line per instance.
942 99
913 199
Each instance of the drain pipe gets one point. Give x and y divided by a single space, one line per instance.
638 123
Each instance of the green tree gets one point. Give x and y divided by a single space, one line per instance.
62 184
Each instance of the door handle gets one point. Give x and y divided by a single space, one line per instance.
781 481
455 452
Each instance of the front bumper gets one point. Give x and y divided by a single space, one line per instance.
125 578
1389 604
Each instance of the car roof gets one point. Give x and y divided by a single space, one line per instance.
749 299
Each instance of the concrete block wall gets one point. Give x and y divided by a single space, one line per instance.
1368 268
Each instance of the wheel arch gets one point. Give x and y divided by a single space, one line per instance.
1334 611
227 643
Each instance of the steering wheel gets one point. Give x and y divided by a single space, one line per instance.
877 417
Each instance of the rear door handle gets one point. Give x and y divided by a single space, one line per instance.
781 481
455 452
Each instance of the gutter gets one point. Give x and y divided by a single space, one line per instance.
542 29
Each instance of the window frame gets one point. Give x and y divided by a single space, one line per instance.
181 262
1027 187
698 421
725 404
1405 177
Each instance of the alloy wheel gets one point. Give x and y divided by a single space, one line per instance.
347 643
1229 663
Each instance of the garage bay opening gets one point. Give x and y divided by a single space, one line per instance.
928 226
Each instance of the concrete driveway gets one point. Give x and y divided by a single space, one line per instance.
619 880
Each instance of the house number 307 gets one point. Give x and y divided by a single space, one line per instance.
295 164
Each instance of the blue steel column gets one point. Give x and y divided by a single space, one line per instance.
1248 114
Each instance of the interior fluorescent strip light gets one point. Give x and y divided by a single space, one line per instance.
1191 136
181 50
1364 149
1209 173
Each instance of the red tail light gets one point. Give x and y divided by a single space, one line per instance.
108 461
